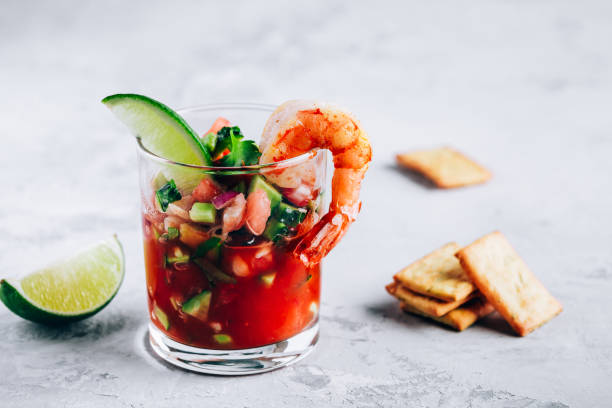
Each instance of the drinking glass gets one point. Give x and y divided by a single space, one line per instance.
236 303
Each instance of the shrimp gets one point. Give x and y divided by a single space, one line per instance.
297 127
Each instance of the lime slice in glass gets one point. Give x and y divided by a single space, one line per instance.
69 290
163 132
160 129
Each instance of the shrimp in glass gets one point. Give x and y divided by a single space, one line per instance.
297 127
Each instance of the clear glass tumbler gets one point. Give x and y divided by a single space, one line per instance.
239 302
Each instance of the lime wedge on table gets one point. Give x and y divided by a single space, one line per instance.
161 130
69 290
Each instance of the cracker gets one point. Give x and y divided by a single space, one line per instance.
446 167
506 281
425 304
460 318
438 275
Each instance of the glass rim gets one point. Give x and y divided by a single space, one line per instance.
231 105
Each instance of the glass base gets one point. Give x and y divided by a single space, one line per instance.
234 362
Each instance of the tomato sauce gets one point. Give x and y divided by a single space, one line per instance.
271 296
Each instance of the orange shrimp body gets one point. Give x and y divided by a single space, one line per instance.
297 127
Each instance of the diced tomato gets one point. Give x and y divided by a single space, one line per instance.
192 235
206 190
257 212
221 155
218 125
234 215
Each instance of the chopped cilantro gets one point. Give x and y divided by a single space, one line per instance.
232 151
168 193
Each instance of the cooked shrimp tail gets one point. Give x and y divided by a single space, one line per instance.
297 127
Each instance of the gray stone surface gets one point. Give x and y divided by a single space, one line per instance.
524 87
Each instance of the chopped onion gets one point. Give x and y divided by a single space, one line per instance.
222 200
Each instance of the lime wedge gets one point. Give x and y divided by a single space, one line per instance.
160 129
69 290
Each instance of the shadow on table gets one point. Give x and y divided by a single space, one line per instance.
413 176
390 310
94 328
496 322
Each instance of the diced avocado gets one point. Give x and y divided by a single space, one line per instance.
258 182
290 215
203 212
267 278
275 230
177 255
222 338
210 248
198 305
212 272
161 317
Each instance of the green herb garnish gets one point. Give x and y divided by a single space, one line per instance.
168 193
232 151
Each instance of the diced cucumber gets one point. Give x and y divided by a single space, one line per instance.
222 338
267 278
203 212
210 141
178 259
275 230
161 316
209 248
290 215
258 182
198 305
173 233
177 255
212 272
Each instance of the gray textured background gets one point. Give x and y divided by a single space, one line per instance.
523 86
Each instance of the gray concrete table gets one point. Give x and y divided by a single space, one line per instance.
524 87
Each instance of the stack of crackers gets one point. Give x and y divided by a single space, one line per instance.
457 286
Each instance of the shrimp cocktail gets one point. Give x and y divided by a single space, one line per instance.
235 230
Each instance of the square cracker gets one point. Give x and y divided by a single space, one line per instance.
438 275
460 318
425 304
506 281
446 167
